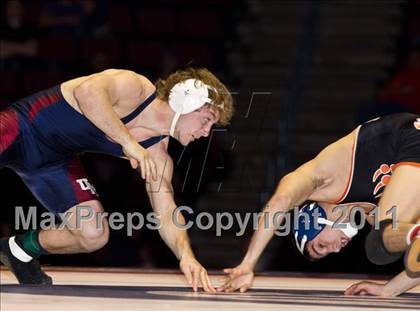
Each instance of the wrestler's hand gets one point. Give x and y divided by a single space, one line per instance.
139 157
366 288
240 278
195 273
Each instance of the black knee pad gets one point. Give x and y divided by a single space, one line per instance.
375 248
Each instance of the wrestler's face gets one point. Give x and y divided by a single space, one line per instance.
328 241
196 124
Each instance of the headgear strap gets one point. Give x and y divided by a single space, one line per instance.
187 96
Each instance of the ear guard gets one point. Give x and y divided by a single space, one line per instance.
311 220
186 97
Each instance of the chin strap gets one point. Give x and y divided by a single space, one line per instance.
173 124
349 230
301 246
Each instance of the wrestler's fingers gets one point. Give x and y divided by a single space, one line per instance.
148 172
224 286
133 163
208 282
230 289
153 169
229 270
188 274
243 289
142 168
196 279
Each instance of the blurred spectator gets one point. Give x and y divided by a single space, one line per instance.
404 87
62 17
18 43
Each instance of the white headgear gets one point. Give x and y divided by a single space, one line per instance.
187 96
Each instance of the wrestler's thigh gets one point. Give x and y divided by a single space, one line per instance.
403 193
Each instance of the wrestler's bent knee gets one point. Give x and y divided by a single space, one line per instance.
92 231
93 237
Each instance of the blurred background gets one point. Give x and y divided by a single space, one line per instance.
302 73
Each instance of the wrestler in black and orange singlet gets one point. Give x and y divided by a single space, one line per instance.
380 146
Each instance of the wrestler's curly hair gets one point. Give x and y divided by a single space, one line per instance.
222 99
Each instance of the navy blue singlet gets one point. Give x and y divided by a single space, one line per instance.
41 137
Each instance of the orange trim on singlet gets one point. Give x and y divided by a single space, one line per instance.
406 163
349 180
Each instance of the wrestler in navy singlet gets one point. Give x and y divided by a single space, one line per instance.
380 146
41 137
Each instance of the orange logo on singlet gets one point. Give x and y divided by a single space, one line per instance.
417 124
385 171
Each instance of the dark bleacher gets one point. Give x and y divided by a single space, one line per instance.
137 35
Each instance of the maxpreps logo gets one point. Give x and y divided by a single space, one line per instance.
417 124
384 171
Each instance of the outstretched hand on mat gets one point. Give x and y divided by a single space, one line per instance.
195 274
365 288
240 278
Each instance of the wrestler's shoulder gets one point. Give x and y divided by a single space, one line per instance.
111 72
122 77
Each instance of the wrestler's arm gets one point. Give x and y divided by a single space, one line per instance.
161 197
314 180
292 190
97 98
399 284
394 287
